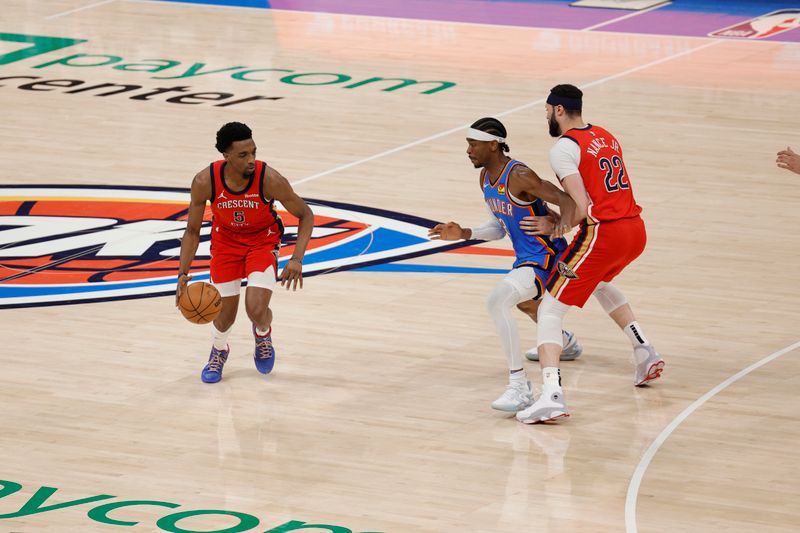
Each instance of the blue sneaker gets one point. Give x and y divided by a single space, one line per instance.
212 372
264 354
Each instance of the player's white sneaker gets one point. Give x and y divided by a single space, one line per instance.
571 351
649 365
516 397
549 406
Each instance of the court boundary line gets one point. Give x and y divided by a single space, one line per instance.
463 127
69 12
638 474
625 17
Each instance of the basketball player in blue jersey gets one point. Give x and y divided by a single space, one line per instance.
512 191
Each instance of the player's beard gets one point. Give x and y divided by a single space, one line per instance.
553 127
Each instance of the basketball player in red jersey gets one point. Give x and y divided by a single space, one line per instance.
588 162
245 238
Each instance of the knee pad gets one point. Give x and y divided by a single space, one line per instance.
610 297
524 280
549 321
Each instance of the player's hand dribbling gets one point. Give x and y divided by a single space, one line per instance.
538 225
292 274
446 232
183 281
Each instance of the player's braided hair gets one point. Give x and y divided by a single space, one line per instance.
493 126
230 133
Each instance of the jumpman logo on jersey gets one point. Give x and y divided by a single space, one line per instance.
270 232
222 196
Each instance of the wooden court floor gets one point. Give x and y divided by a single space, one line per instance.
377 417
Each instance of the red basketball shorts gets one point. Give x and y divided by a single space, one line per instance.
597 253
234 261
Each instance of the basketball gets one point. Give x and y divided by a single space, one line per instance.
200 303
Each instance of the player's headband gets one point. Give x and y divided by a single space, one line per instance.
575 104
478 135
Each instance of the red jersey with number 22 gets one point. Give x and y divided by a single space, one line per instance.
604 174
246 217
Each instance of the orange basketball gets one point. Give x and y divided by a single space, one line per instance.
200 303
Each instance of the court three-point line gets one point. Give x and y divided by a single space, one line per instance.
647 458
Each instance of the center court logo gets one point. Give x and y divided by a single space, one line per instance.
39 503
26 47
63 244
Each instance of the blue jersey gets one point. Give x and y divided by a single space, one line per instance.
531 250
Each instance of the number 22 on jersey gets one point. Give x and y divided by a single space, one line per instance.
615 178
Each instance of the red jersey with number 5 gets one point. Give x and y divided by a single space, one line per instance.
604 174
245 217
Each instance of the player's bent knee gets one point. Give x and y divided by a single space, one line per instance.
256 312
529 307
550 319
503 296
225 320
610 297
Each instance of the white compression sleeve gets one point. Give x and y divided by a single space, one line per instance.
610 297
491 230
500 304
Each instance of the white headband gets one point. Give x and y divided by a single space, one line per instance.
478 135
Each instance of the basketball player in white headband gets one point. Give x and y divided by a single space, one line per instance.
512 191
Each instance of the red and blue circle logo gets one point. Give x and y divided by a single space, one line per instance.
62 244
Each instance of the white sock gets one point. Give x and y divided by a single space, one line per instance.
219 338
551 377
261 332
635 334
520 376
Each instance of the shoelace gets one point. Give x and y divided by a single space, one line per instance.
264 347
216 362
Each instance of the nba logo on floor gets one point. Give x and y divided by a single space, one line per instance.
763 26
